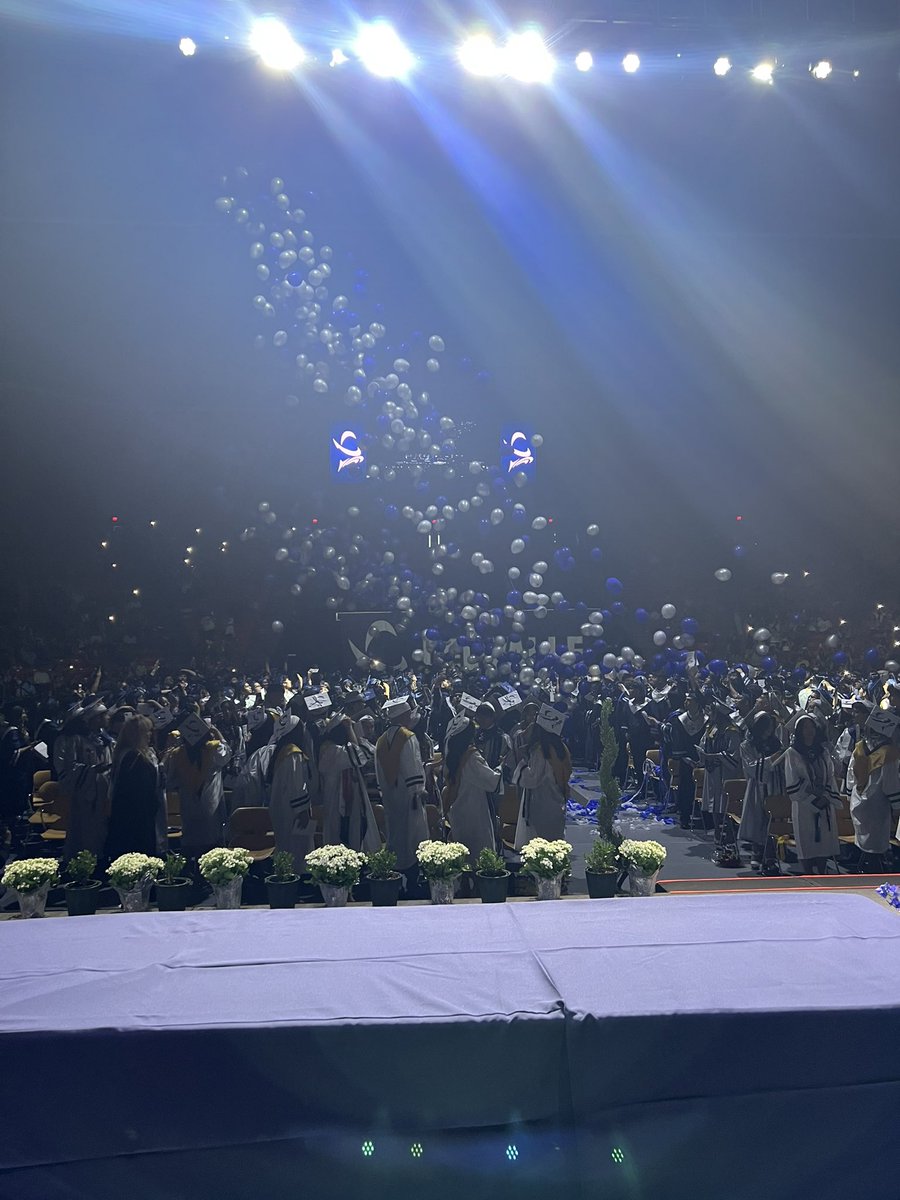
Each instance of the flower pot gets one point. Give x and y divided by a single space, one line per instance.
385 892
492 888
549 889
172 895
228 894
641 884
442 890
334 896
136 897
81 898
282 893
32 904
601 885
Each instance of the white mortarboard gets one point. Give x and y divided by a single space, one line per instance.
393 710
317 702
255 718
193 729
551 720
509 700
882 722
457 725
283 726
469 702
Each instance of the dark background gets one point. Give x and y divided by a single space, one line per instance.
688 285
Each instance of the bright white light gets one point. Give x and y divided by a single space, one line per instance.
338 58
273 42
528 59
382 52
187 46
479 55
584 61
822 69
763 72
722 65
630 63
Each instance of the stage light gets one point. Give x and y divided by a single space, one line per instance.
479 55
188 47
338 58
763 72
416 1148
528 59
630 63
722 65
274 43
368 1148
584 61
618 1155
382 52
821 70
512 1152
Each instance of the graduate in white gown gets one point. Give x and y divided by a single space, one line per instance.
762 756
288 778
809 775
720 754
543 777
195 773
875 771
401 778
471 782
347 819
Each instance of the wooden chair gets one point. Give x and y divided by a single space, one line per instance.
251 829
57 819
44 803
653 755
39 779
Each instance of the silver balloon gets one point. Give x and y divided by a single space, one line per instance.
660 638
668 611
723 574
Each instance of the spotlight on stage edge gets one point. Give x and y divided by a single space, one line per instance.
480 55
821 70
763 72
630 63
528 59
187 46
584 61
722 65
274 43
381 51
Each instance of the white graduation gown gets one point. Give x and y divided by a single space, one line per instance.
352 813
289 806
763 779
724 750
815 830
542 812
870 808
471 818
405 819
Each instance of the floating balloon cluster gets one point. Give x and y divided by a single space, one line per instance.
434 519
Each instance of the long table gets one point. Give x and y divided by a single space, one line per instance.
619 1045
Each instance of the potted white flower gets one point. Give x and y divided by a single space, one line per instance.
643 861
549 863
336 870
442 864
133 876
225 868
31 880
82 890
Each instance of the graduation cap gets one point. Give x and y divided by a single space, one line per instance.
392 710
551 719
193 729
469 702
457 725
883 723
255 718
317 702
508 700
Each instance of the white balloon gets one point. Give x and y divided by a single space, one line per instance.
544 648
535 580
517 545
593 530
537 441
660 638
530 597
668 611
477 558
762 635
609 661
778 577
627 653
540 612
513 573
539 523
277 627
723 574
596 618
496 516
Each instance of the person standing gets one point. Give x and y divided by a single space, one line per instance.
809 776
137 801
347 819
195 772
471 781
761 754
875 770
401 778
543 775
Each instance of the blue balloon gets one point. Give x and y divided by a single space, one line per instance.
872 657
596 553
768 664
614 586
840 659
718 667
641 615
739 552
477 646
390 511
513 597
689 625
618 608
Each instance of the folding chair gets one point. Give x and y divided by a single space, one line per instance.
251 829
781 825
509 817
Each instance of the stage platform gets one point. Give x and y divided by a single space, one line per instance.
722 1046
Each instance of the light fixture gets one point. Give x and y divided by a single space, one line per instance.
274 43
821 70
630 63
338 58
763 72
584 61
188 47
480 55
527 58
722 65
381 51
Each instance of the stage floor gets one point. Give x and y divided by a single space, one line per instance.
523 1046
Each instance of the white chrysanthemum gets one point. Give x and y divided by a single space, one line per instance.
128 870
545 859
442 860
335 866
30 874
224 863
645 857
